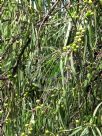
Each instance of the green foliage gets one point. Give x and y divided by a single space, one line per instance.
51 68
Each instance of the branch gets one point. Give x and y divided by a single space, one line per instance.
15 67
3 77
47 15
44 20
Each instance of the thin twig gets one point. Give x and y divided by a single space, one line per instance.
20 56
47 15
44 20
3 77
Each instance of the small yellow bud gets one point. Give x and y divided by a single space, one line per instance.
90 2
73 45
65 48
77 33
41 105
62 105
77 121
77 46
23 134
38 107
61 128
30 129
80 28
46 131
83 31
26 125
79 40
74 50
76 37
85 1
37 101
25 94
89 13
52 95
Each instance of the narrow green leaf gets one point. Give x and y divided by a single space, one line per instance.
98 131
95 111
85 132
76 131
